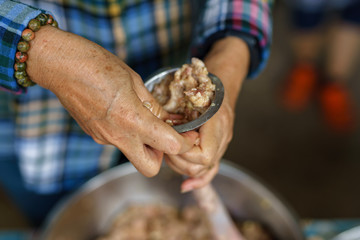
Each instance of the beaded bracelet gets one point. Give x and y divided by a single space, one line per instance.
24 45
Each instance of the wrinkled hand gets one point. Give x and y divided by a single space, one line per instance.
229 60
105 96
201 163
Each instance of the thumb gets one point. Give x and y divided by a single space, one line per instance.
192 137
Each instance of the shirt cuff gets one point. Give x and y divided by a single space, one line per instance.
249 20
251 41
15 17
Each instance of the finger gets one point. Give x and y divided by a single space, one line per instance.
163 137
154 154
192 136
180 171
156 141
195 155
155 108
207 149
155 132
211 136
173 116
173 166
148 100
186 168
144 158
195 183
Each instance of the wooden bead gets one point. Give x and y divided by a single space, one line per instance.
34 25
28 35
55 24
25 82
50 19
20 74
23 46
42 17
20 66
21 57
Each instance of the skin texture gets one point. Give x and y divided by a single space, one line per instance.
105 97
229 60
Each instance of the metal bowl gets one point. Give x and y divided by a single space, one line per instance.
90 211
213 108
351 234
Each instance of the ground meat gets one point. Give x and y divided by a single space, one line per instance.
252 230
161 90
189 92
153 222
161 222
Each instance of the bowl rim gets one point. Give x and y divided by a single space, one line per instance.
227 168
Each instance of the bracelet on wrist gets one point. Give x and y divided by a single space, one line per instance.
24 45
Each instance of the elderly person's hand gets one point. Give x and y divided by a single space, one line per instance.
229 60
106 97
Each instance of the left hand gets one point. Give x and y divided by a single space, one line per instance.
201 163
229 60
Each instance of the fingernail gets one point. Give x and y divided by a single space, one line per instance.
197 141
186 189
147 105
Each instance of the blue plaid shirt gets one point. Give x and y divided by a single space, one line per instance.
53 153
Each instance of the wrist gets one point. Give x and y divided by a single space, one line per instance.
45 56
229 59
58 58
23 46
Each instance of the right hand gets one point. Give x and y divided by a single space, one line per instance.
104 96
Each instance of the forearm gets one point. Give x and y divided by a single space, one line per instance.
229 59
46 56
57 58
75 68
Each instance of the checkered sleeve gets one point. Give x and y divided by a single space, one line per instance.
14 17
247 19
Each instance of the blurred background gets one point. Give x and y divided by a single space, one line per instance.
285 131
297 124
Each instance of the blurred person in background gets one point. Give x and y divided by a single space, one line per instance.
88 101
325 44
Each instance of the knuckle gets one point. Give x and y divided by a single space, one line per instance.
135 76
151 167
230 137
124 116
151 171
193 170
206 158
99 141
174 147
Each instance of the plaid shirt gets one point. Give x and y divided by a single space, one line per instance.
53 153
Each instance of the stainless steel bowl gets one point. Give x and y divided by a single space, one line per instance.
213 108
351 234
90 211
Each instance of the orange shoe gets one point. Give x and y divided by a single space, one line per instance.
337 108
301 84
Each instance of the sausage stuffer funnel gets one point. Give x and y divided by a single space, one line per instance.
206 197
213 108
